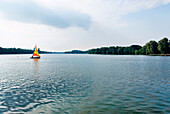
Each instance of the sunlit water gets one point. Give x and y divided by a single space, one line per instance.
84 84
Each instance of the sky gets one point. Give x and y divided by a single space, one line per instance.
64 25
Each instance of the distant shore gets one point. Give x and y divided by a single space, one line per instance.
153 48
159 54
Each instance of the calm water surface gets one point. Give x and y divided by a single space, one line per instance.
84 84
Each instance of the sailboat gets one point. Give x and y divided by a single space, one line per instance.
35 54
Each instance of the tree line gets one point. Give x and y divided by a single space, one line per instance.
152 47
76 52
18 51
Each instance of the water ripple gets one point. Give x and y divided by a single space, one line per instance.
84 84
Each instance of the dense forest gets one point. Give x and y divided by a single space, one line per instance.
76 52
150 48
18 51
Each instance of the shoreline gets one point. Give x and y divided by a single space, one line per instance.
159 54
87 54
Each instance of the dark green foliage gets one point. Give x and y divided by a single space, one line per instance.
151 47
133 48
143 51
76 52
120 50
103 50
136 52
18 51
163 46
169 46
115 50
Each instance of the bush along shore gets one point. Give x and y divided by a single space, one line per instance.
161 48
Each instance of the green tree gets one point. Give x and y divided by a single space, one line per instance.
136 52
142 51
152 47
163 46
120 50
132 48
111 49
169 46
103 50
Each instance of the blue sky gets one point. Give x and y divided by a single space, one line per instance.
61 25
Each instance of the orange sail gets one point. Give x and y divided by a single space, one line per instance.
35 54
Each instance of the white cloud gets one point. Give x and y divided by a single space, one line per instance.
104 11
30 12
105 29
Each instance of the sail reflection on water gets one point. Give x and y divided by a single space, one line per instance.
35 67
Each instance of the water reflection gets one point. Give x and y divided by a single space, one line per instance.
36 67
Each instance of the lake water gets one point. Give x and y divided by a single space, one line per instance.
84 84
